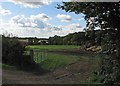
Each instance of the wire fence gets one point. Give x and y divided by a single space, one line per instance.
37 55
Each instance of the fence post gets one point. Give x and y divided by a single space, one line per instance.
32 55
46 54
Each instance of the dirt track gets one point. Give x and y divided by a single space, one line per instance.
74 73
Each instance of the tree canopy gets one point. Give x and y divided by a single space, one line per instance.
105 15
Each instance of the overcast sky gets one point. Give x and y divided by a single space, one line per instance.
38 19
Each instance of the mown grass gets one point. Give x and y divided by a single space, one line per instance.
8 67
57 61
52 47
51 61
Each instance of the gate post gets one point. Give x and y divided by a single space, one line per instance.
32 55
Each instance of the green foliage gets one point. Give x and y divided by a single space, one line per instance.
32 41
67 39
11 51
105 15
104 12
71 39
8 67
56 40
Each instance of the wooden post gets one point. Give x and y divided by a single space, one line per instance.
37 57
32 55
46 54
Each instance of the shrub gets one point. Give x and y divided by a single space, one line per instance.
12 51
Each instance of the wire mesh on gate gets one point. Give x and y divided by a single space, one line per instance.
39 55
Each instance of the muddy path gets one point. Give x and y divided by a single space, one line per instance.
74 52
72 74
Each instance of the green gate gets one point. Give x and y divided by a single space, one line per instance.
37 55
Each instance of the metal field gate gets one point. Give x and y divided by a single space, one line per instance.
37 55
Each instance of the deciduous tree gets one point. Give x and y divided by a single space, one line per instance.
105 15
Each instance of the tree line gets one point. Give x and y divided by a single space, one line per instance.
87 38
77 38
70 39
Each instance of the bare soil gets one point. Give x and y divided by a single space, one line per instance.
72 74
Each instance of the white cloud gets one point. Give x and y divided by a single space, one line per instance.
42 17
71 28
4 12
22 21
13 28
32 21
32 3
64 17
33 26
46 32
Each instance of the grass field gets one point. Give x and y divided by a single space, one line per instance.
9 67
56 61
59 64
53 47
51 61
